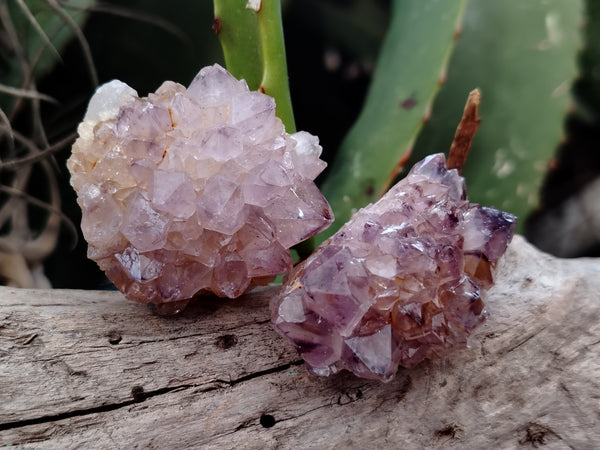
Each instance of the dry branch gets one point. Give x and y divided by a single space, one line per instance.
465 132
91 370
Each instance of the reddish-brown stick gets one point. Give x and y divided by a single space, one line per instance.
465 132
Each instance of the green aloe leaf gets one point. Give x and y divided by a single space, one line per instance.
34 46
414 55
522 55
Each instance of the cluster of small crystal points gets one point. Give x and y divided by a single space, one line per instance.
193 190
400 282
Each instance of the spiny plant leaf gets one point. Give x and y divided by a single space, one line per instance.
522 55
412 59
34 46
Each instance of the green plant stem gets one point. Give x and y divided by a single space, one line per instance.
237 29
254 50
274 64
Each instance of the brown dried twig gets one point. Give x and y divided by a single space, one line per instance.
465 132
25 243
85 47
36 154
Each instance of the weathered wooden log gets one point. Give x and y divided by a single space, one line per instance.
91 370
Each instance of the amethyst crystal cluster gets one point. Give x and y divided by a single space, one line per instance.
201 190
402 281
193 190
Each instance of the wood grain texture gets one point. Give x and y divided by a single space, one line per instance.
91 370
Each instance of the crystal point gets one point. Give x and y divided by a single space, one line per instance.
402 281
193 190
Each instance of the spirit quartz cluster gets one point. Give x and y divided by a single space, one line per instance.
400 282
193 190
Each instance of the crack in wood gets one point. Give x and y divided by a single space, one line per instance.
193 335
29 339
261 373
54 358
522 341
139 366
255 422
139 395
158 341
262 322
137 398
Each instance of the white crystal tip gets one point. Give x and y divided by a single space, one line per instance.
108 100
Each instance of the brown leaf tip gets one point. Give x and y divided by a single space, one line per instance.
217 25
465 132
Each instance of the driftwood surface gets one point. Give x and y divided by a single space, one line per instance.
86 369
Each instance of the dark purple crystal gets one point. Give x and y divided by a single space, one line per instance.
402 281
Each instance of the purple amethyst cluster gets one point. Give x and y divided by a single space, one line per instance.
193 190
198 190
400 282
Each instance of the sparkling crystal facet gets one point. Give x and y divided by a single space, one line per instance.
400 282
193 190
